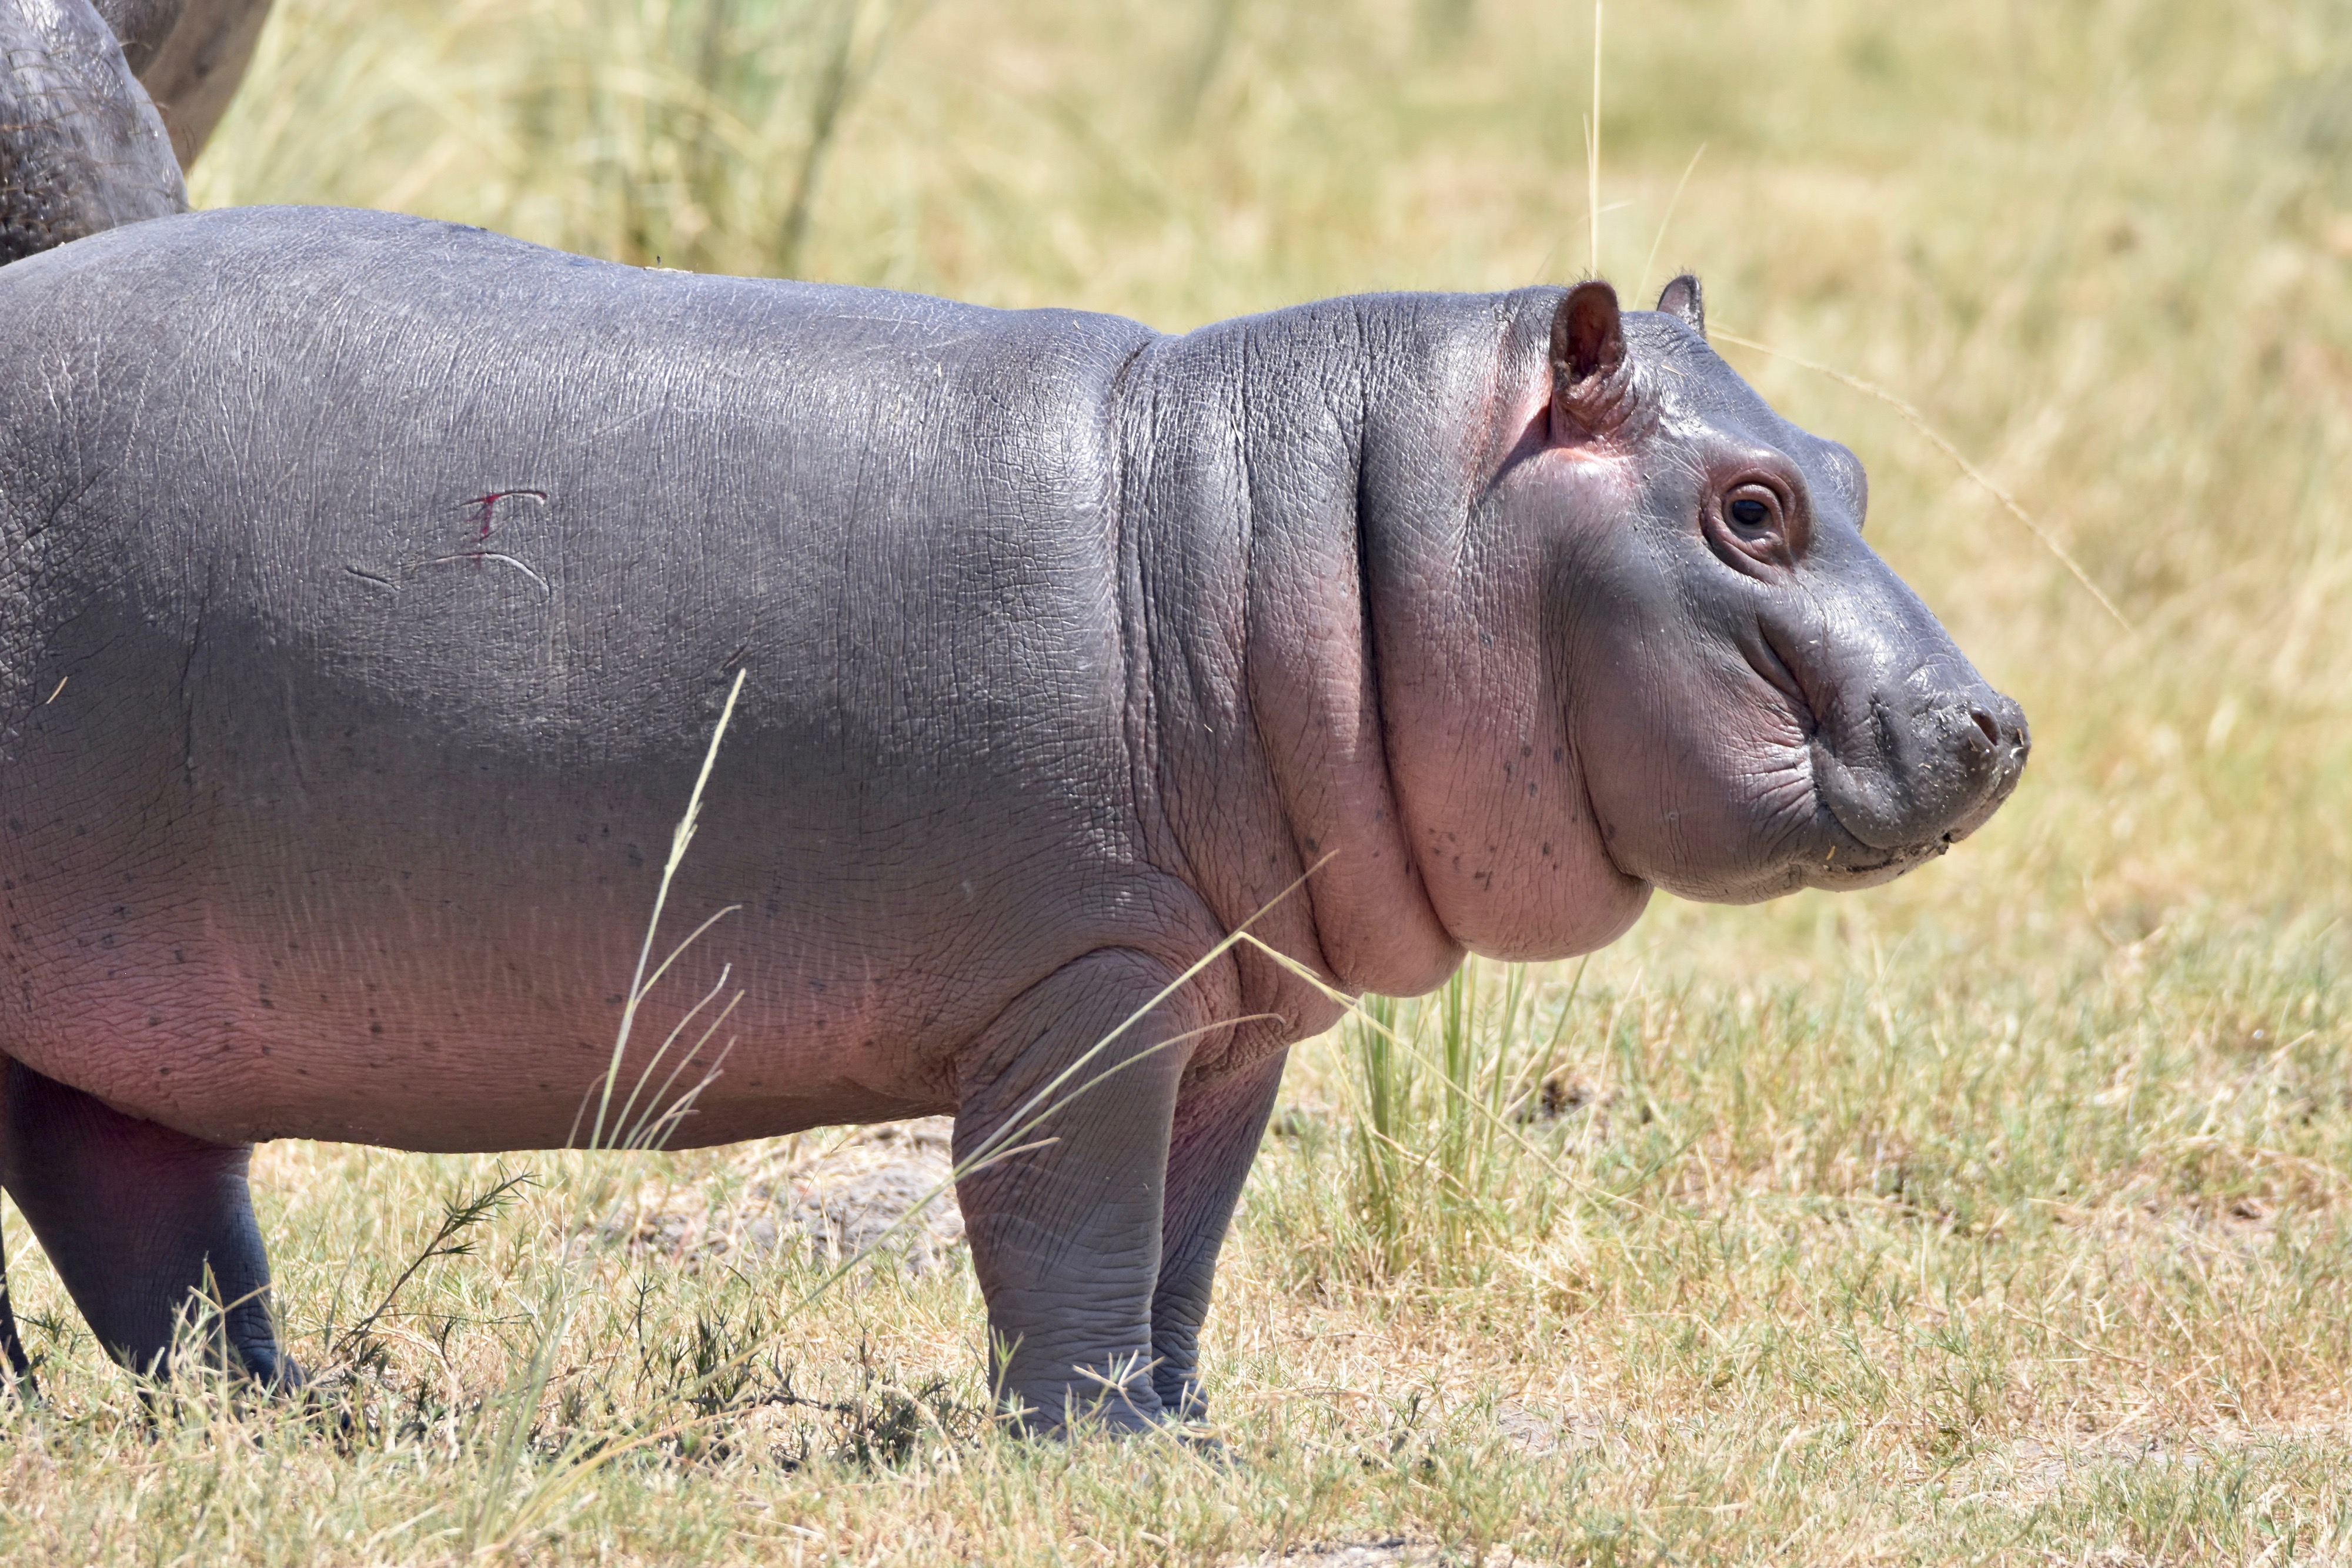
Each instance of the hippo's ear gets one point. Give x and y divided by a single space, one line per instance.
1592 383
1683 301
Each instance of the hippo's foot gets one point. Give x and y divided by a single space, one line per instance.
1181 1399
1131 1411
151 1230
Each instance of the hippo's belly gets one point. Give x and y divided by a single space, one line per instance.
427 979
244 900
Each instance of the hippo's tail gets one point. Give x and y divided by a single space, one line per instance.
81 147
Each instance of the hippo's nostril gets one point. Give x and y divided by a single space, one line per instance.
1989 726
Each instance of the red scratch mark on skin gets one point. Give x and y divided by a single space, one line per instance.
483 512
487 516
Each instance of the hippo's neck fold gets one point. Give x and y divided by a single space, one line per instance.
1348 630
1255 704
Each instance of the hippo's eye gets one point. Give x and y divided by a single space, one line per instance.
1756 524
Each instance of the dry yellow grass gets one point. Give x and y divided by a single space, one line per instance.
1997 1215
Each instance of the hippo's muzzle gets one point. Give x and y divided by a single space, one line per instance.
1905 779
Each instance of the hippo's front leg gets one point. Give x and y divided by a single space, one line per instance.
1210 1152
1066 1237
137 1220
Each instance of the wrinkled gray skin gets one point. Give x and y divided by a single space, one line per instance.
81 148
369 588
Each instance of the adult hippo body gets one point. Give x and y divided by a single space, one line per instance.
370 590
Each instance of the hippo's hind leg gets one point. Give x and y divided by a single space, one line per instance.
140 1222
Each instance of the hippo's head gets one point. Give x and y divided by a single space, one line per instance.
1688 670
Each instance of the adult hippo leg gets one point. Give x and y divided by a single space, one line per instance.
1066 1237
12 1343
139 1221
1215 1137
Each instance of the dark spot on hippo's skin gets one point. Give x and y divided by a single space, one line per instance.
615 1000
375 1029
106 940
179 955
15 824
636 857
1547 849
817 986
1312 846
1560 754
154 1019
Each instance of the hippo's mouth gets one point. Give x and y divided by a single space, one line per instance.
1848 861
1917 783
1835 849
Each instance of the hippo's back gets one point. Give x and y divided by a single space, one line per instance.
373 582
333 412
